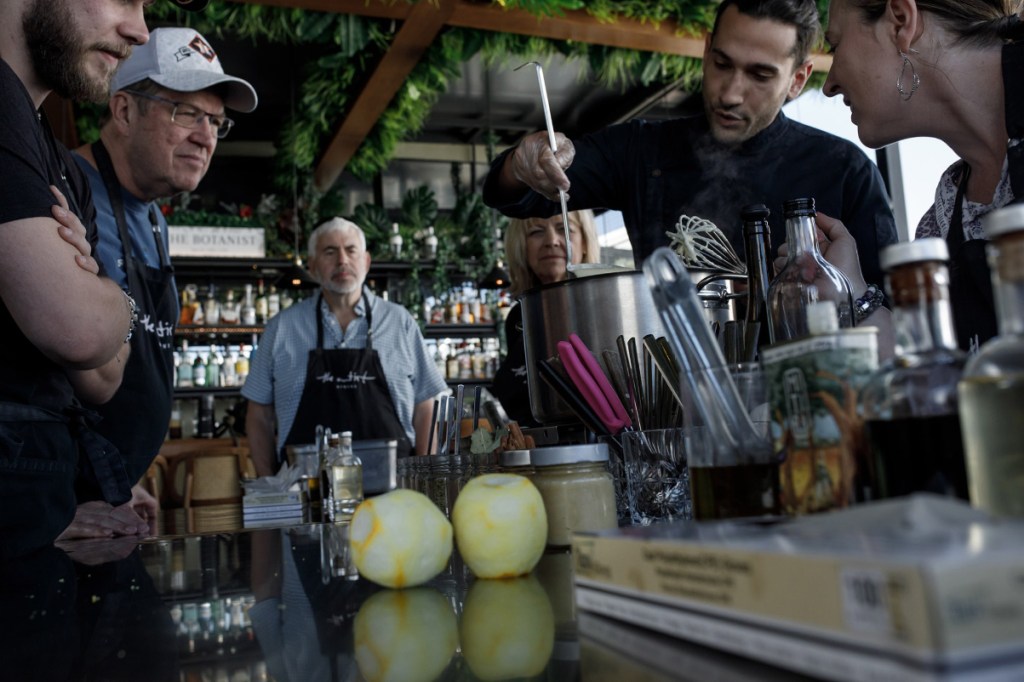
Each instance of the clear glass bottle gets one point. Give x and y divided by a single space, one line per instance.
199 371
213 366
992 389
247 316
910 404
806 277
186 378
342 479
758 241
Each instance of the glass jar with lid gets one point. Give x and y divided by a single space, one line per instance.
577 489
515 462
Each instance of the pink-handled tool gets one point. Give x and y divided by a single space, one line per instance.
588 387
594 368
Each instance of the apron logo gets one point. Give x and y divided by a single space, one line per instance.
353 379
160 328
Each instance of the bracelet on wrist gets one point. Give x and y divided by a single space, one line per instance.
133 315
867 304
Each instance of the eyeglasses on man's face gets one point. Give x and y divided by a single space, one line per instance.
188 116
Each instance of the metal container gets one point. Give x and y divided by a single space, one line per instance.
598 308
717 294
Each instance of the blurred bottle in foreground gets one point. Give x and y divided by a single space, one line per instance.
910 404
992 389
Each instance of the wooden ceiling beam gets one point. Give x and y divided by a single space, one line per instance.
418 31
424 20
575 25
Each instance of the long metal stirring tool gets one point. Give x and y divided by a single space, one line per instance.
562 196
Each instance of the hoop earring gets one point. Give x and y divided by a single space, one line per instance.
915 80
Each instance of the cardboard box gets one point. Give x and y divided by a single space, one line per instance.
908 588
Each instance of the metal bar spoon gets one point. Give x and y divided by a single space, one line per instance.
563 198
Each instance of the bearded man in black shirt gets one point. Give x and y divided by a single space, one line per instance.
734 147
64 328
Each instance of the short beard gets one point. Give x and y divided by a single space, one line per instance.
57 52
342 289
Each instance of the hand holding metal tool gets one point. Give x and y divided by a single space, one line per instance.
563 198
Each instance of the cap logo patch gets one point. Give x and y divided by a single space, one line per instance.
203 48
182 53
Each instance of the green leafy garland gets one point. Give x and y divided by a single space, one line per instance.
355 43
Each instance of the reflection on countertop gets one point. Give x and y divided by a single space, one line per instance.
284 604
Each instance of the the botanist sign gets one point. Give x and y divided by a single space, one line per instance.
224 242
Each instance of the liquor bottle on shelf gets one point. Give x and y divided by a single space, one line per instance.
342 478
439 361
188 297
186 378
757 239
242 366
228 377
273 302
261 303
395 242
452 364
286 300
213 365
211 307
992 389
247 315
229 314
910 403
430 244
805 278
199 371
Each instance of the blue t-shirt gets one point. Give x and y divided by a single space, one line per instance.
140 228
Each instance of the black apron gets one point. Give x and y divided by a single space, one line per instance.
970 280
346 390
137 417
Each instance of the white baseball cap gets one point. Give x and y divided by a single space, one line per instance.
180 59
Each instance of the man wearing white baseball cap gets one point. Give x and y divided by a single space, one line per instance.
64 328
164 119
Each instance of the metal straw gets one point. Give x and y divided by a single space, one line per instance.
459 396
563 198
433 423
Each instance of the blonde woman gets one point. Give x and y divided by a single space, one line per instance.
535 254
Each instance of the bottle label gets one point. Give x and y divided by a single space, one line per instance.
812 388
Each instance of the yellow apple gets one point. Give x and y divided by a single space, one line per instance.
508 628
404 635
400 539
500 525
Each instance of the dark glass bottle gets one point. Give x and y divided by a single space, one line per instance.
805 278
992 389
758 242
910 404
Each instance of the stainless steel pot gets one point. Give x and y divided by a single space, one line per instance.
598 308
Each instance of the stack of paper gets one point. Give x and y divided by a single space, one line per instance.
271 507
919 588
